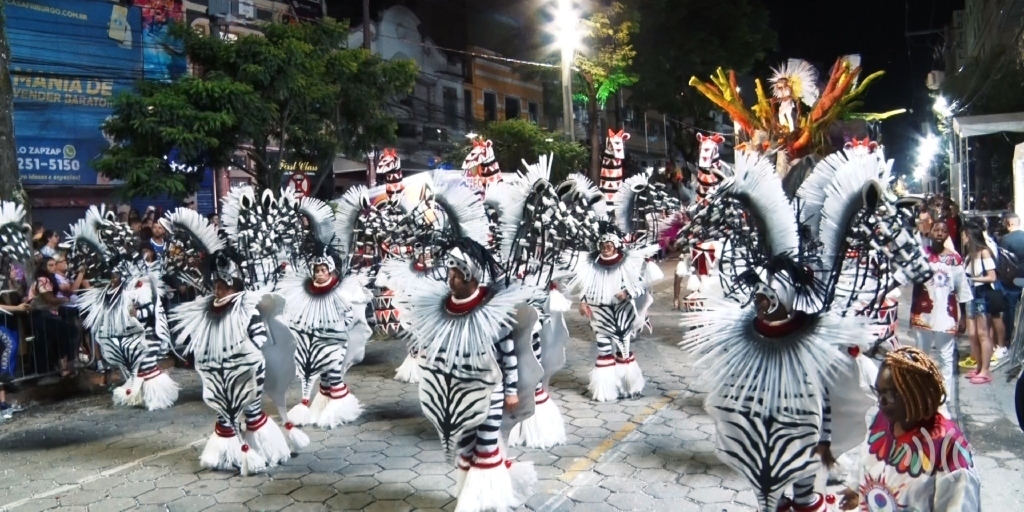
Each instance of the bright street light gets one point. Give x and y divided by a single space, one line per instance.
942 107
567 34
927 150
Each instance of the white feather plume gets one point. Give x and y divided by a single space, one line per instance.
198 227
213 337
598 283
320 217
589 190
759 187
464 210
842 198
347 210
624 201
812 190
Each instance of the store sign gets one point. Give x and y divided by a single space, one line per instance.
68 60
302 184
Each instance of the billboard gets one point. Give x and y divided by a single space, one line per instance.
68 60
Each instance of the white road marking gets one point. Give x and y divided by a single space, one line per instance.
102 474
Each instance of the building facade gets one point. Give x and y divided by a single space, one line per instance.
495 92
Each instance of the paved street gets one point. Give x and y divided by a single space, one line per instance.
654 453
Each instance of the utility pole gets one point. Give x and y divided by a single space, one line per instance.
10 177
366 24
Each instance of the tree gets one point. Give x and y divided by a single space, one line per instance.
607 32
517 140
684 38
293 94
10 179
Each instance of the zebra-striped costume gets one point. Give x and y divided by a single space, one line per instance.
614 321
471 365
134 343
326 322
227 335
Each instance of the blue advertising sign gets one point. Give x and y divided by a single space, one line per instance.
68 60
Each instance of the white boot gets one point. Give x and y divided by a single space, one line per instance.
338 408
604 383
545 429
158 391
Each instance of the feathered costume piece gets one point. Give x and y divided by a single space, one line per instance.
477 355
242 349
362 230
326 311
124 310
14 233
775 364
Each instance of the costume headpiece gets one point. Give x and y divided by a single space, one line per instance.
472 259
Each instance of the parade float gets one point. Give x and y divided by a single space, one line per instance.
795 120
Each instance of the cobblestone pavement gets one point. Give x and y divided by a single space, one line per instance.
652 453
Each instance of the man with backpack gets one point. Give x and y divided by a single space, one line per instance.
1010 267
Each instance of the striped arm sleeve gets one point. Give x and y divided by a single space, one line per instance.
509 364
826 420
257 331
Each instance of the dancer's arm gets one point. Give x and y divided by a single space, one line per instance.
257 331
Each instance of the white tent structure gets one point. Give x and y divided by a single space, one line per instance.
959 163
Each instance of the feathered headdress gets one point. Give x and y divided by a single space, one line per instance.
14 233
802 79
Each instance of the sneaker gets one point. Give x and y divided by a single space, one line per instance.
968 363
6 411
999 355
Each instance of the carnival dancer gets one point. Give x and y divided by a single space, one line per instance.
325 312
915 458
478 371
606 281
242 350
124 312
532 231
779 361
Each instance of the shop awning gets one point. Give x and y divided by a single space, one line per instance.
972 126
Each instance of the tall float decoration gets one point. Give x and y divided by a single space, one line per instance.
792 121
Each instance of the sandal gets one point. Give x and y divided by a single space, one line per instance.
981 379
971 374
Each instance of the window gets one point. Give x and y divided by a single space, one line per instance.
513 107
534 111
451 107
407 130
490 106
467 106
431 134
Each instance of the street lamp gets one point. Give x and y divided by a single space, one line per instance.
568 37
926 152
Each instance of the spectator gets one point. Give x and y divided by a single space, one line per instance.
955 224
136 225
50 241
934 323
156 239
37 231
1012 243
67 288
914 450
145 233
48 327
981 271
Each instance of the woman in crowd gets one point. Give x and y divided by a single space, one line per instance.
50 241
915 458
980 267
48 326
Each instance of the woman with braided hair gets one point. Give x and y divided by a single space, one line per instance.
916 458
